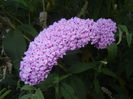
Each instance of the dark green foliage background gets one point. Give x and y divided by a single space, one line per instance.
86 73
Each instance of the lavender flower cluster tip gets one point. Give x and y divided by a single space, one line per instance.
52 44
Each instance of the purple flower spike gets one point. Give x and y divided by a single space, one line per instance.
65 35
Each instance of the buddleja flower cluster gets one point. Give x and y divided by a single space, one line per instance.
53 43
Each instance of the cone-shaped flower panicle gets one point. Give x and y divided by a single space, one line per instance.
65 35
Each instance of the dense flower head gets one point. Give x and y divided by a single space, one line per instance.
52 44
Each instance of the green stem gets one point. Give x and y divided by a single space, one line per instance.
10 15
61 78
7 22
62 67
83 9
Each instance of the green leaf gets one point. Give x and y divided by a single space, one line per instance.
65 76
1 91
112 51
38 95
26 3
57 93
79 87
81 67
28 88
27 96
97 87
52 80
129 39
4 94
49 82
128 35
14 44
106 71
123 28
23 2
67 91
28 29
120 36
10 80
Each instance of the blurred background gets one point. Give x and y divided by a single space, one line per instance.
86 73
